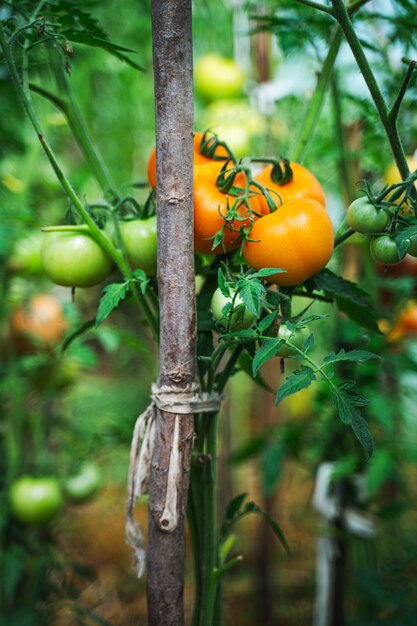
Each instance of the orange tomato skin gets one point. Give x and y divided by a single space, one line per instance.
210 204
40 323
199 159
297 237
302 185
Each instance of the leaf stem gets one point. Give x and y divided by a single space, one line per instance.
395 109
316 102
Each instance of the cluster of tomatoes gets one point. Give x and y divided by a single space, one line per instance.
278 216
367 218
36 500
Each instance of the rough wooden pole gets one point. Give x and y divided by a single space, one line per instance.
172 58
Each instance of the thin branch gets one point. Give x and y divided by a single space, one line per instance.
316 5
395 109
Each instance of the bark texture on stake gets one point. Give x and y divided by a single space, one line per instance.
172 57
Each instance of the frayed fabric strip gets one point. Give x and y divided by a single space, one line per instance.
179 401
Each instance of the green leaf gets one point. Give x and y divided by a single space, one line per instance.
251 507
223 286
267 271
358 356
242 334
402 239
300 379
245 363
336 286
268 351
251 294
267 321
113 294
346 406
363 316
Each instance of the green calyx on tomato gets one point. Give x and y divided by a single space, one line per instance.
384 250
140 241
230 311
35 500
365 218
84 484
74 259
281 173
297 337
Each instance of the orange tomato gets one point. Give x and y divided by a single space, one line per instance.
39 323
297 237
210 205
199 159
302 185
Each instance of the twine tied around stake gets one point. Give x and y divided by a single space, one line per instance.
179 401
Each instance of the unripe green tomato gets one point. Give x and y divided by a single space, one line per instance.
139 239
84 484
26 255
74 259
218 77
365 218
298 337
35 500
412 249
384 250
240 318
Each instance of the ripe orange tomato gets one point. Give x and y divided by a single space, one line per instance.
302 185
210 204
297 237
199 159
39 323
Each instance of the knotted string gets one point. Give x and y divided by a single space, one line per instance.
179 401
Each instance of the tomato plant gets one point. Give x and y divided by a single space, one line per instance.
365 218
139 239
74 259
218 77
84 484
39 323
384 250
211 208
35 500
297 184
298 237
230 311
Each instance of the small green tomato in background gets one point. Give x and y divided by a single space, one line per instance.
239 319
365 218
26 255
384 250
84 484
35 500
139 239
74 259
297 337
218 77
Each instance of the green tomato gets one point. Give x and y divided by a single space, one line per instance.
365 218
74 259
236 122
384 250
238 319
35 500
296 337
412 249
139 239
26 255
84 484
218 77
